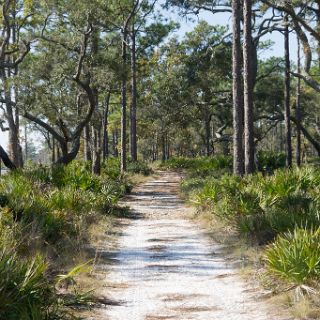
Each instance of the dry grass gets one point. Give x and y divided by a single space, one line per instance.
151 317
180 297
194 309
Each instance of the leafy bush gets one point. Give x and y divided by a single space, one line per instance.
24 289
263 206
111 168
56 201
203 167
139 168
270 161
43 209
295 256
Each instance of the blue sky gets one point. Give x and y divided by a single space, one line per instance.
217 19
225 20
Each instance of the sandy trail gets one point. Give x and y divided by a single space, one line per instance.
167 267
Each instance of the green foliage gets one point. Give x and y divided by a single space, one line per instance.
295 256
24 289
200 166
139 167
58 200
262 206
270 161
111 168
48 206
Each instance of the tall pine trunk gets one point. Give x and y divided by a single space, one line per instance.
105 142
96 154
248 89
238 164
133 107
87 149
298 108
287 94
124 104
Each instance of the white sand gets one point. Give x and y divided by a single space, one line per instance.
169 269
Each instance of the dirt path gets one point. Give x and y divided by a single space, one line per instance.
167 268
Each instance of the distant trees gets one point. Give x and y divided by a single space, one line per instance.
73 72
16 41
100 79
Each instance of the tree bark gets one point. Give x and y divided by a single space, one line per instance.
238 164
6 160
298 108
123 159
105 143
248 89
133 108
53 156
9 69
208 135
318 31
87 149
67 156
163 147
287 94
115 143
96 154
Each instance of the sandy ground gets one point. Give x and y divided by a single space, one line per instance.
166 267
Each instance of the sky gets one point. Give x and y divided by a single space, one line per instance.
217 19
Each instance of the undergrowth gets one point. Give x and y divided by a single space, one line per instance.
45 214
278 207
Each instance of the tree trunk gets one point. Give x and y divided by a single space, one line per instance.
133 108
67 156
87 138
124 104
53 157
318 30
248 89
11 110
208 135
105 143
163 144
96 159
26 142
287 94
238 164
298 108
15 149
6 160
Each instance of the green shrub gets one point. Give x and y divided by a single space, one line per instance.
111 168
76 175
46 209
295 256
57 201
270 161
263 206
201 167
24 289
139 167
